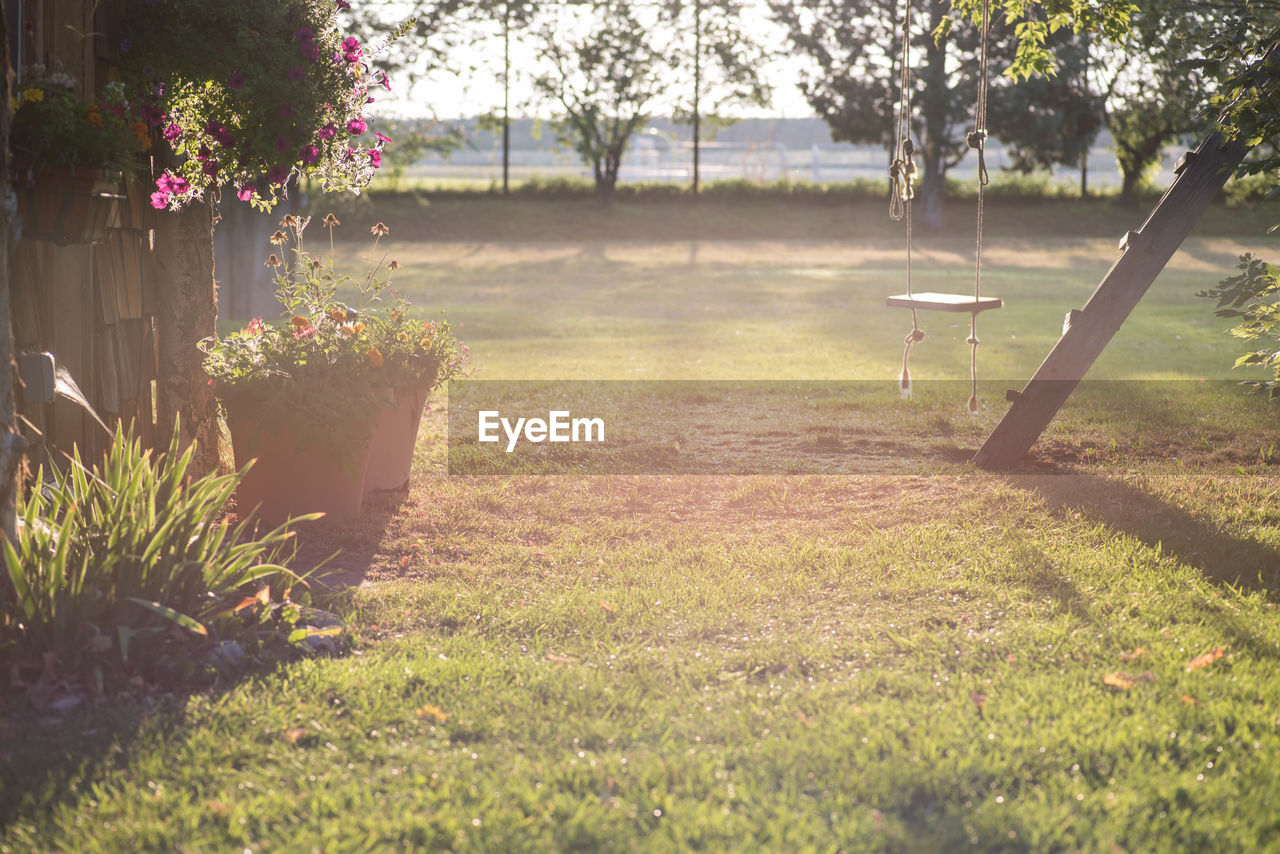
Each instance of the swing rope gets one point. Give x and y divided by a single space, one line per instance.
902 174
977 139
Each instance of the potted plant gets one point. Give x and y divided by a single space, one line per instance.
69 154
301 395
418 357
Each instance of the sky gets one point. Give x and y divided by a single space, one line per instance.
479 89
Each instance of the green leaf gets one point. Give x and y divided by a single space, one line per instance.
170 614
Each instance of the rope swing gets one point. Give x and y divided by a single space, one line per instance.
902 175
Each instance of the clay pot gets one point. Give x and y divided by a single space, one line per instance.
290 479
63 204
395 434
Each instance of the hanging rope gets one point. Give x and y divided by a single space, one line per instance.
902 176
977 139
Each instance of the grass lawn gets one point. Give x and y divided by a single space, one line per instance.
1079 660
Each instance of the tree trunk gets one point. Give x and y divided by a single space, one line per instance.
11 442
935 101
186 312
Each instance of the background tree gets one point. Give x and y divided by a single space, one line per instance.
855 47
11 442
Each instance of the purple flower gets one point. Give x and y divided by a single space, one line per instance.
125 45
310 154
172 132
225 139
328 131
159 200
382 138
210 168
246 192
349 155
343 4
351 50
286 109
310 52
236 80
386 81
213 128
278 174
305 35
204 153
356 126
152 115
297 73
375 157
282 143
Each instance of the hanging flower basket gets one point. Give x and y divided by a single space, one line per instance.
64 204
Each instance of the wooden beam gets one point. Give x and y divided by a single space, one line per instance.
1087 332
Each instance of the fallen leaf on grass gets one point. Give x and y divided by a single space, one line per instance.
1010 658
1123 681
1205 660
1189 700
979 700
292 735
606 606
219 809
560 659
434 712
404 562
1133 656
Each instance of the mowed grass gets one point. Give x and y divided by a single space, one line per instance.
755 663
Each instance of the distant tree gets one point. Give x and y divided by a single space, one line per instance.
855 48
1053 120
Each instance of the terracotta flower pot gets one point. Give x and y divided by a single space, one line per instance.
292 479
394 436
63 204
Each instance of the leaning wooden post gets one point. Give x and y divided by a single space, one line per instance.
1200 176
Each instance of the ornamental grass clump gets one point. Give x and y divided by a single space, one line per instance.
322 372
252 93
126 562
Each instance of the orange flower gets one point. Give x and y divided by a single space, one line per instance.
358 328
94 119
278 238
375 357
338 315
393 264
299 321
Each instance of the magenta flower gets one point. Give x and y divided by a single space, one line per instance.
328 131
343 4
178 185
286 109
282 143
278 174
246 192
213 128
210 168
386 81
382 138
310 52
349 155
117 110
236 80
305 35
204 153
297 73
356 126
351 50
310 155
153 116
159 200
172 132
375 157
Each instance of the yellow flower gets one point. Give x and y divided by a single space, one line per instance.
33 95
375 357
403 336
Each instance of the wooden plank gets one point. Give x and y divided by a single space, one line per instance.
944 302
1146 252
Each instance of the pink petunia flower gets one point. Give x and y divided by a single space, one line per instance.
305 35
159 200
278 174
210 168
310 52
246 192
286 109
172 132
385 81
236 80
328 132
356 126
382 138
343 4
310 155
375 157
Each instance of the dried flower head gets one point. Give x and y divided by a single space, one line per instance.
278 238
272 261
330 221
393 264
379 230
289 221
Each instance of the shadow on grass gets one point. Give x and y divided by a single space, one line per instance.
1225 559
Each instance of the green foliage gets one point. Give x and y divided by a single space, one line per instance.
108 558
52 125
1252 298
249 94
322 372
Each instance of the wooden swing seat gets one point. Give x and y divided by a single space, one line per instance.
944 302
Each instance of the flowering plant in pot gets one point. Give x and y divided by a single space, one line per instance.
289 99
418 357
302 395
68 155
